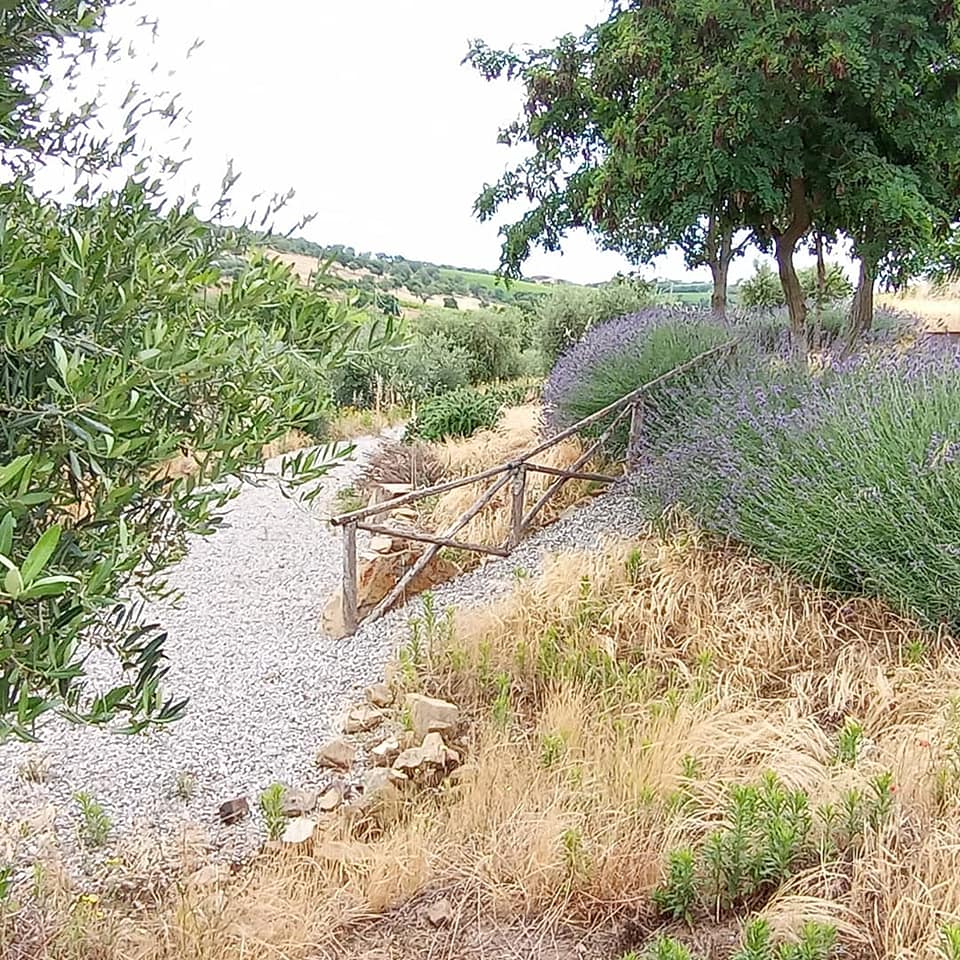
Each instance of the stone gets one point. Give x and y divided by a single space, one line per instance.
233 811
385 753
379 786
432 716
381 544
434 750
209 876
297 802
379 694
298 830
336 755
440 913
362 718
377 576
330 800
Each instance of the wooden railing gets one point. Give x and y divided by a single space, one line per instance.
513 472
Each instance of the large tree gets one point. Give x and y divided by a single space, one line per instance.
783 118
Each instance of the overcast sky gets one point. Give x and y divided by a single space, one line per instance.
364 109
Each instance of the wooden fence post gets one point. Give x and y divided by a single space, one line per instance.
518 489
636 432
350 611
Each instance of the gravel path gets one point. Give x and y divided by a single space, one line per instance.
266 685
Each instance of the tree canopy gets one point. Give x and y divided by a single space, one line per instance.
673 119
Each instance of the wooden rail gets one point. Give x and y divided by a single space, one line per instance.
513 472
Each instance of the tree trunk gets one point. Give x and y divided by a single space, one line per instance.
719 256
792 291
786 242
718 296
861 309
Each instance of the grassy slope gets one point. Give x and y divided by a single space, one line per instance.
612 704
490 281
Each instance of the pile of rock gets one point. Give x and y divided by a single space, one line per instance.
416 758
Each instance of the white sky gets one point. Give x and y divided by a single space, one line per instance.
364 109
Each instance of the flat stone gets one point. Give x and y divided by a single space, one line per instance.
385 753
337 754
233 811
299 830
440 914
297 802
209 876
379 694
363 718
330 800
432 716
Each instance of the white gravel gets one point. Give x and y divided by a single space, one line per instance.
266 685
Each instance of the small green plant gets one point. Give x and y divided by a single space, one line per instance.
6 883
690 767
552 750
573 850
816 942
271 805
185 786
880 802
950 942
915 652
666 948
96 825
501 702
849 741
678 894
764 838
459 413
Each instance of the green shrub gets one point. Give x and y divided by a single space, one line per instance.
115 357
459 413
490 339
615 358
768 833
848 479
566 313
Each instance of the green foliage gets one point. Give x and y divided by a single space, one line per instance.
762 290
849 741
33 34
459 413
271 805
679 893
95 825
768 833
444 350
950 942
489 338
816 942
665 948
567 313
121 348
671 118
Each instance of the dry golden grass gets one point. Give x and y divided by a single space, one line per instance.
941 309
517 432
584 690
352 422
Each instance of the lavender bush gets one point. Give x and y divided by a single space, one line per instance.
617 356
849 477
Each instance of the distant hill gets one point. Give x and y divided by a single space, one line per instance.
418 283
